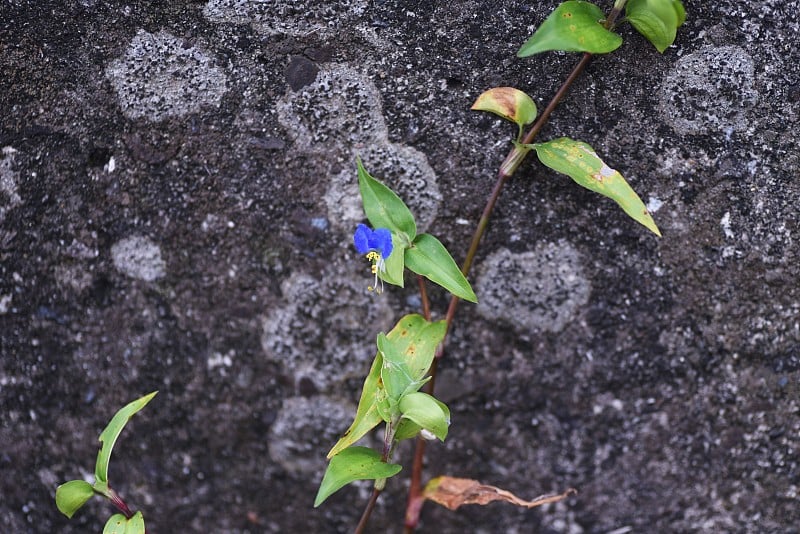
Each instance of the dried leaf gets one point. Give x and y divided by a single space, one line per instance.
453 492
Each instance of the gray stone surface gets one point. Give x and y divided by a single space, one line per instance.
177 199
542 289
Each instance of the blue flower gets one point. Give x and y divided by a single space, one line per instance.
377 245
367 240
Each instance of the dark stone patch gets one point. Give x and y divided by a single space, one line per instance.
300 72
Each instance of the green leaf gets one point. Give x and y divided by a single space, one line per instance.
509 103
367 415
71 495
395 263
118 524
680 10
657 20
109 436
414 340
428 257
406 429
395 373
427 412
573 27
354 463
580 162
383 207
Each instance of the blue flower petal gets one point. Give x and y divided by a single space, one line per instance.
367 240
381 241
361 238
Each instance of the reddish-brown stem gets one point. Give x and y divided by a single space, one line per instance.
362 524
509 166
120 505
423 294
507 169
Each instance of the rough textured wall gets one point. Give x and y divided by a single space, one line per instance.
177 197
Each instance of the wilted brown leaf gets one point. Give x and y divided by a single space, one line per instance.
453 492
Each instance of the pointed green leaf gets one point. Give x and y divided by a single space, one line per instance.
71 495
580 162
118 524
136 524
395 264
573 27
657 20
383 207
414 340
367 415
427 412
509 103
109 436
428 257
354 463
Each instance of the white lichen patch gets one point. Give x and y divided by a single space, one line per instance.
325 333
161 75
538 290
303 431
286 16
9 196
709 91
341 110
342 106
138 257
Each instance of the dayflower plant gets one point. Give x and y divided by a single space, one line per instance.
377 245
404 361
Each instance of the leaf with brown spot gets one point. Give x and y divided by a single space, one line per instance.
580 162
509 103
452 493
411 331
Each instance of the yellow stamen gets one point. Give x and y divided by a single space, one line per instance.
378 266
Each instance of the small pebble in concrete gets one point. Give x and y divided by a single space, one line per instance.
539 290
5 303
138 257
162 75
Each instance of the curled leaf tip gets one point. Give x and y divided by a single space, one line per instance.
509 103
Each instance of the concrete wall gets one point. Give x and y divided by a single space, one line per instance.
177 200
